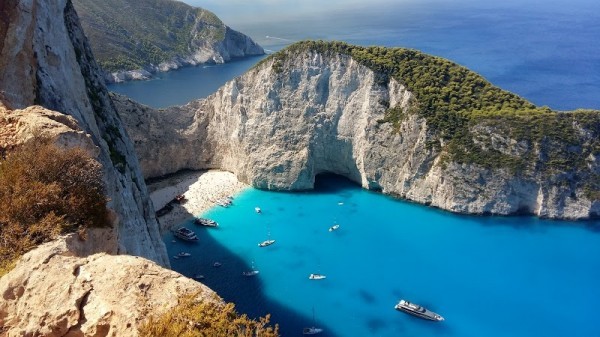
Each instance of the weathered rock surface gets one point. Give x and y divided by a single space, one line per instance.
61 289
278 129
45 60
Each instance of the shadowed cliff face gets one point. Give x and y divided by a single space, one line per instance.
45 60
281 124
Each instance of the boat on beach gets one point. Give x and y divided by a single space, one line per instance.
316 277
417 310
185 234
206 222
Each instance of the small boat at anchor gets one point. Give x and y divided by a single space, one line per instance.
266 243
199 277
334 227
185 234
217 264
257 210
183 254
312 330
417 310
316 277
206 222
252 272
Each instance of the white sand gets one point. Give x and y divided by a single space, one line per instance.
200 188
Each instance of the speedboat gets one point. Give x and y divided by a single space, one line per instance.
183 254
266 243
417 310
199 277
206 222
334 227
316 277
185 234
257 210
250 273
217 264
311 331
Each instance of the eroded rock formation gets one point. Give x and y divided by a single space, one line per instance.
324 113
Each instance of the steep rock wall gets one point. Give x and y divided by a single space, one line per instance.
45 60
278 129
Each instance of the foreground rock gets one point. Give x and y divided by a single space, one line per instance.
132 39
45 60
59 289
308 112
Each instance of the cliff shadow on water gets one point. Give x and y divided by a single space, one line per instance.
247 293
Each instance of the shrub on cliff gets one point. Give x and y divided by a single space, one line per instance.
212 318
44 192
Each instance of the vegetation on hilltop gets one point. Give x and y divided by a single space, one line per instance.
45 192
130 34
206 318
462 109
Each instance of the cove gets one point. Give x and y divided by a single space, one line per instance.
488 276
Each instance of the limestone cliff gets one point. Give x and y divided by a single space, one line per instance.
45 60
306 112
71 288
134 38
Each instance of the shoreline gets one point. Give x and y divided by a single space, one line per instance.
200 188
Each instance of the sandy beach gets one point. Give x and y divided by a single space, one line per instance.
200 188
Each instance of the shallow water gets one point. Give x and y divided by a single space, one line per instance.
488 276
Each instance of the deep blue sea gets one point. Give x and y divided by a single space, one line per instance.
546 51
488 276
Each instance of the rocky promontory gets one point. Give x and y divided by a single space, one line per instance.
392 120
132 39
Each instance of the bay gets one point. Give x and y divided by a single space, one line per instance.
488 276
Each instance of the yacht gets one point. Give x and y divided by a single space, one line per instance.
185 234
316 277
206 222
334 227
417 310
266 243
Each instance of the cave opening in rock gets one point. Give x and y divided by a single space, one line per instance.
331 182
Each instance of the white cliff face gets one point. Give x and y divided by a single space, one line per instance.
45 60
277 129
68 288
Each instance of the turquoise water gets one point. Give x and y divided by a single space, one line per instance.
488 276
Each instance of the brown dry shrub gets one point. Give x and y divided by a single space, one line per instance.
44 192
206 318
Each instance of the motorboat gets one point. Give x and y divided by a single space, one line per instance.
334 227
217 264
266 243
183 254
251 272
257 210
206 222
199 277
185 234
222 203
316 277
417 310
312 330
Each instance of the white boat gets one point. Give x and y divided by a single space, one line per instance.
417 310
217 264
334 227
312 330
251 272
206 222
199 277
266 243
316 277
185 234
222 203
258 210
183 254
